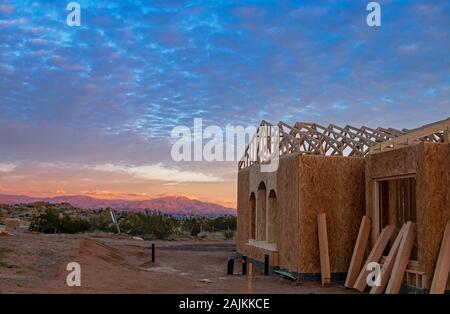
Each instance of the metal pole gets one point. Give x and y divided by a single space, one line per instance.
230 266
266 265
244 265
153 252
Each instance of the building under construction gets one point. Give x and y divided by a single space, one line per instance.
368 182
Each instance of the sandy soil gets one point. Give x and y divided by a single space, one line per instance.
36 263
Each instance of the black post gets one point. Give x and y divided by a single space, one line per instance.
230 266
153 252
244 265
266 265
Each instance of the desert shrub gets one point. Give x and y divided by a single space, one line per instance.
228 234
192 225
54 219
222 223
157 225
73 225
101 221
47 220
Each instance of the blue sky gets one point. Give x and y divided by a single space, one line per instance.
109 92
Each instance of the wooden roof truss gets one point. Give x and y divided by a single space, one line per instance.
334 140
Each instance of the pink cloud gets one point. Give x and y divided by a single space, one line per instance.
7 8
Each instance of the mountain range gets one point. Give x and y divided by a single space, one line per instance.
174 205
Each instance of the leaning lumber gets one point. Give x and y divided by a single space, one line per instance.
323 249
386 270
443 264
374 256
358 252
402 259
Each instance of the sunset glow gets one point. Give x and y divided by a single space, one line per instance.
89 110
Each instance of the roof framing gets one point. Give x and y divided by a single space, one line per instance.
334 140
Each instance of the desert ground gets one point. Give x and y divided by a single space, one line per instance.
36 263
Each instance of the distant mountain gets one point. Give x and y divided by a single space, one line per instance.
174 205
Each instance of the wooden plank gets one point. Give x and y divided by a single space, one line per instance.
374 256
386 270
250 279
323 249
402 259
358 252
413 135
443 264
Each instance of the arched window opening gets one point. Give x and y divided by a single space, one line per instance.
252 217
273 223
261 213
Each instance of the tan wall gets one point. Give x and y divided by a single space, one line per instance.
307 186
285 184
243 206
335 186
288 204
387 164
430 163
436 205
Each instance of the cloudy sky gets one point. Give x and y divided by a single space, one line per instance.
89 110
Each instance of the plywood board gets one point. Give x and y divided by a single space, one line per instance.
358 252
388 265
443 264
374 256
402 258
323 249
334 186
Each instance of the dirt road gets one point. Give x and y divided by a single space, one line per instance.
36 263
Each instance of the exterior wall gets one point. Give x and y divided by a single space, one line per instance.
395 163
341 187
288 205
306 186
285 184
334 186
430 163
243 208
436 205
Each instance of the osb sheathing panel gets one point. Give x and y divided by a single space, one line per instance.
398 162
430 163
436 205
288 204
285 183
334 186
243 206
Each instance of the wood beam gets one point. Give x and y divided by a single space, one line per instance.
388 265
323 249
402 258
358 252
443 264
374 256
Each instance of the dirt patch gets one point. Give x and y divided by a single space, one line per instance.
119 264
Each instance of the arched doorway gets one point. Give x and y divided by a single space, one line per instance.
252 217
261 213
272 223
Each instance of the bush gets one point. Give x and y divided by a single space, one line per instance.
64 218
228 234
52 219
157 225
101 221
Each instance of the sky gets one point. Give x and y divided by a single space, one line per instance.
89 110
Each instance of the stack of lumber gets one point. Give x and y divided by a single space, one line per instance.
392 272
